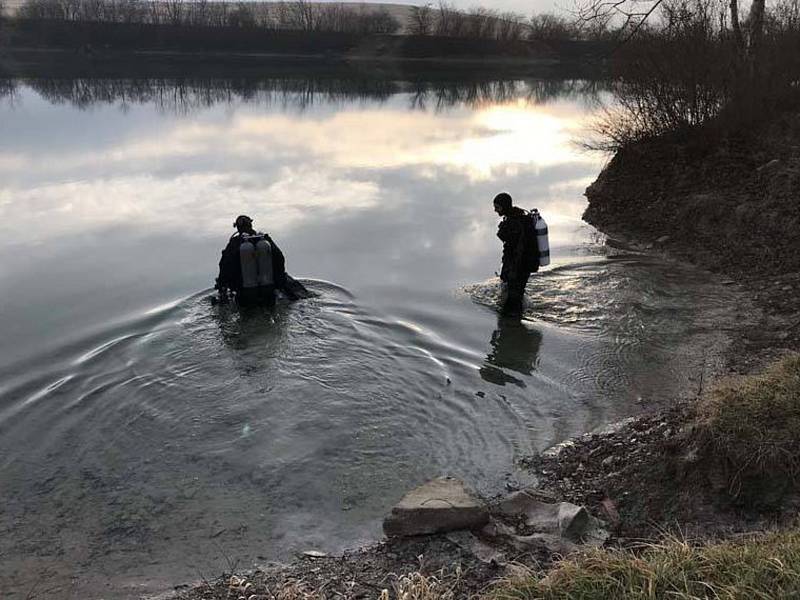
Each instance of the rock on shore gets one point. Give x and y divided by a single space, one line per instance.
442 504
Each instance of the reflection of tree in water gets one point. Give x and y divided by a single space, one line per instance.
515 347
185 95
475 94
8 88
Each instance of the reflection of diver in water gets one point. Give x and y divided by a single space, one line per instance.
515 347
253 268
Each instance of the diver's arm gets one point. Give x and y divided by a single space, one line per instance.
278 264
227 262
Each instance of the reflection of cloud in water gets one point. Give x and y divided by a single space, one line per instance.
281 165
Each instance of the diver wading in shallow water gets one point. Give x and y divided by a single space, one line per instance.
253 268
524 237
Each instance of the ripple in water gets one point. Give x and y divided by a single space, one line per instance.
194 433
642 321
202 427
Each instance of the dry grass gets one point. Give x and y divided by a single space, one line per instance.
751 426
766 566
416 586
749 431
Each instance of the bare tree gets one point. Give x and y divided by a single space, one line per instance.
91 10
131 11
452 22
735 26
198 13
386 22
154 12
548 26
174 11
755 27
218 14
510 27
421 20
480 23
303 15
785 16
70 9
632 16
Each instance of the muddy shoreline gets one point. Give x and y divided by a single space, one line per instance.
729 206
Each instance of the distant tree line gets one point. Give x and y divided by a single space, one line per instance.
297 15
442 20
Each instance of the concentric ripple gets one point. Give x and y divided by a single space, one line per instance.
201 423
641 321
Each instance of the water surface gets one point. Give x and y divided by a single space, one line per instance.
148 437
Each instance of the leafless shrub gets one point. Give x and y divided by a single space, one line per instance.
690 75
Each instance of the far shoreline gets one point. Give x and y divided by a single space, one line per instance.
65 62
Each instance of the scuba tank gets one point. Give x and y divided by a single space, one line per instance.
264 263
258 277
542 242
247 258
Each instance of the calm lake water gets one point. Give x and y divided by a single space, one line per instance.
148 437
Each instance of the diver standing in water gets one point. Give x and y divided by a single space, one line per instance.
252 268
520 252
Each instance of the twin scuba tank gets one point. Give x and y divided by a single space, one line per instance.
255 255
542 242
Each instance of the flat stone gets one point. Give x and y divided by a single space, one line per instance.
563 518
440 505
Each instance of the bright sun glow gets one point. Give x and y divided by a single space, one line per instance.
515 135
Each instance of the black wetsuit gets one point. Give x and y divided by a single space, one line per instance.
230 273
514 231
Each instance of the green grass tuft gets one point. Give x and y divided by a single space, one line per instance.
766 566
751 426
